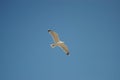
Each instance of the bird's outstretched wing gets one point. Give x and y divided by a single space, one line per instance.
54 35
64 48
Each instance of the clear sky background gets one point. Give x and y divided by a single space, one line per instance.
90 28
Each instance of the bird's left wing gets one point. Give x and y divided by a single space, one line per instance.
54 35
65 48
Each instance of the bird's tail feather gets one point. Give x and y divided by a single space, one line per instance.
53 45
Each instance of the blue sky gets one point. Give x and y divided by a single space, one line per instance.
90 28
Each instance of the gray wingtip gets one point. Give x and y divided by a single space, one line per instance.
68 53
49 30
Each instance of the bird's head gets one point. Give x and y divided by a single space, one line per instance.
61 42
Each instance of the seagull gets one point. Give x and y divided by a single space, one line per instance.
58 42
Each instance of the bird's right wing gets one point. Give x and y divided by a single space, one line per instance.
54 35
65 48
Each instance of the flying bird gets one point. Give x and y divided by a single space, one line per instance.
58 42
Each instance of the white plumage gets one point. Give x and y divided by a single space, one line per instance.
57 42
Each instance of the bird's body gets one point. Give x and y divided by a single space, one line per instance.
58 42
